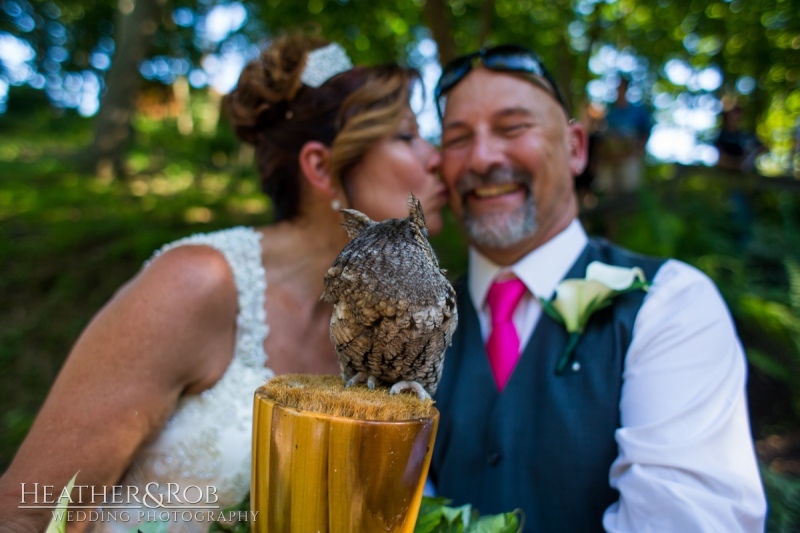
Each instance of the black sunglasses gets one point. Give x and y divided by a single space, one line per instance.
503 58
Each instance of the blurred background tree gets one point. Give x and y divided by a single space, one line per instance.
111 144
684 57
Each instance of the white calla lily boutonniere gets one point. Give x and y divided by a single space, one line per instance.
576 300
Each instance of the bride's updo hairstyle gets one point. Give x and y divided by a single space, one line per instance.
274 111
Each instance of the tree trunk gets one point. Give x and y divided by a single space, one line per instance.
565 62
487 14
135 22
437 18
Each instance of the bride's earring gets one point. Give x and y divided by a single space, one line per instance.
336 205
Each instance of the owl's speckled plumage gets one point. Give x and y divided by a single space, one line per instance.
394 312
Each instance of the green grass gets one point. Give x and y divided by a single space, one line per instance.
68 240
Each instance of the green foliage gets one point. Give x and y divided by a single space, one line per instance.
451 248
152 526
781 321
233 527
751 42
436 517
743 234
372 32
68 240
783 494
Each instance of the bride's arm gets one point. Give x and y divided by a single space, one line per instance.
170 331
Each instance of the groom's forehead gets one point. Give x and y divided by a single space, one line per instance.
486 91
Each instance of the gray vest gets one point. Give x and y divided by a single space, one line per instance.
545 445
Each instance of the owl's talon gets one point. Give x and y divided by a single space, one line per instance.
402 386
361 377
371 382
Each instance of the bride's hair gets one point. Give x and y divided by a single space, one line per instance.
274 111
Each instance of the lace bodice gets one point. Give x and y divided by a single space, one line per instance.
207 440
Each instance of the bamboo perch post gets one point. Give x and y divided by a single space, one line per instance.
331 459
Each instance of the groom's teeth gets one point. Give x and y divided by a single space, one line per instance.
490 191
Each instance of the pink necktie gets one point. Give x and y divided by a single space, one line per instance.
503 343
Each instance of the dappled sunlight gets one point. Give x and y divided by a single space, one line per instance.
138 187
214 184
139 162
245 187
9 152
161 184
72 235
248 206
198 214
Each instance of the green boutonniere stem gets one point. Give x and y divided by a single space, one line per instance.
568 356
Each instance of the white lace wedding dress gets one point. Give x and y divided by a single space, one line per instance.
204 450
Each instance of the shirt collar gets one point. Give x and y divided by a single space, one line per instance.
541 270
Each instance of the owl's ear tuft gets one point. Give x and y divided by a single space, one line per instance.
355 222
415 214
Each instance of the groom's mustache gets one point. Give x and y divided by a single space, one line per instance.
495 176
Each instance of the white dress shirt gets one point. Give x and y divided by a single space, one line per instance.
686 461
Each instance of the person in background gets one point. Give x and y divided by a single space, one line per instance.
621 147
738 148
158 389
646 428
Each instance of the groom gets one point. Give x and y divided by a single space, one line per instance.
648 429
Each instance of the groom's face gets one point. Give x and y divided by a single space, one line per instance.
509 157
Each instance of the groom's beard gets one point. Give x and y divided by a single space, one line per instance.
498 230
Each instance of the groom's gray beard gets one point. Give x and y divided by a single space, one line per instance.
498 230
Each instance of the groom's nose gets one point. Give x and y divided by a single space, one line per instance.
485 154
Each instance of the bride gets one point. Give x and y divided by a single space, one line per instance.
156 395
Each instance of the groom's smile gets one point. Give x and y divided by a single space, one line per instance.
509 155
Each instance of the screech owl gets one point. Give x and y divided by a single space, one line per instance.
394 312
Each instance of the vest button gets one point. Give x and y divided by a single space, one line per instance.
494 458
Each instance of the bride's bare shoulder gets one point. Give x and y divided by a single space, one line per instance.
198 267
191 272
182 306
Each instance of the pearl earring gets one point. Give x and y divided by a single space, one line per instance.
336 205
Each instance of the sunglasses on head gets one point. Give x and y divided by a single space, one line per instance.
504 58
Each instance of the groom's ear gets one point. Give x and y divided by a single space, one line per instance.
577 147
315 163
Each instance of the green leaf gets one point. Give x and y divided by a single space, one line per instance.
156 526
594 305
500 523
770 366
428 522
635 286
547 306
234 527
59 522
430 516
793 272
455 515
436 517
